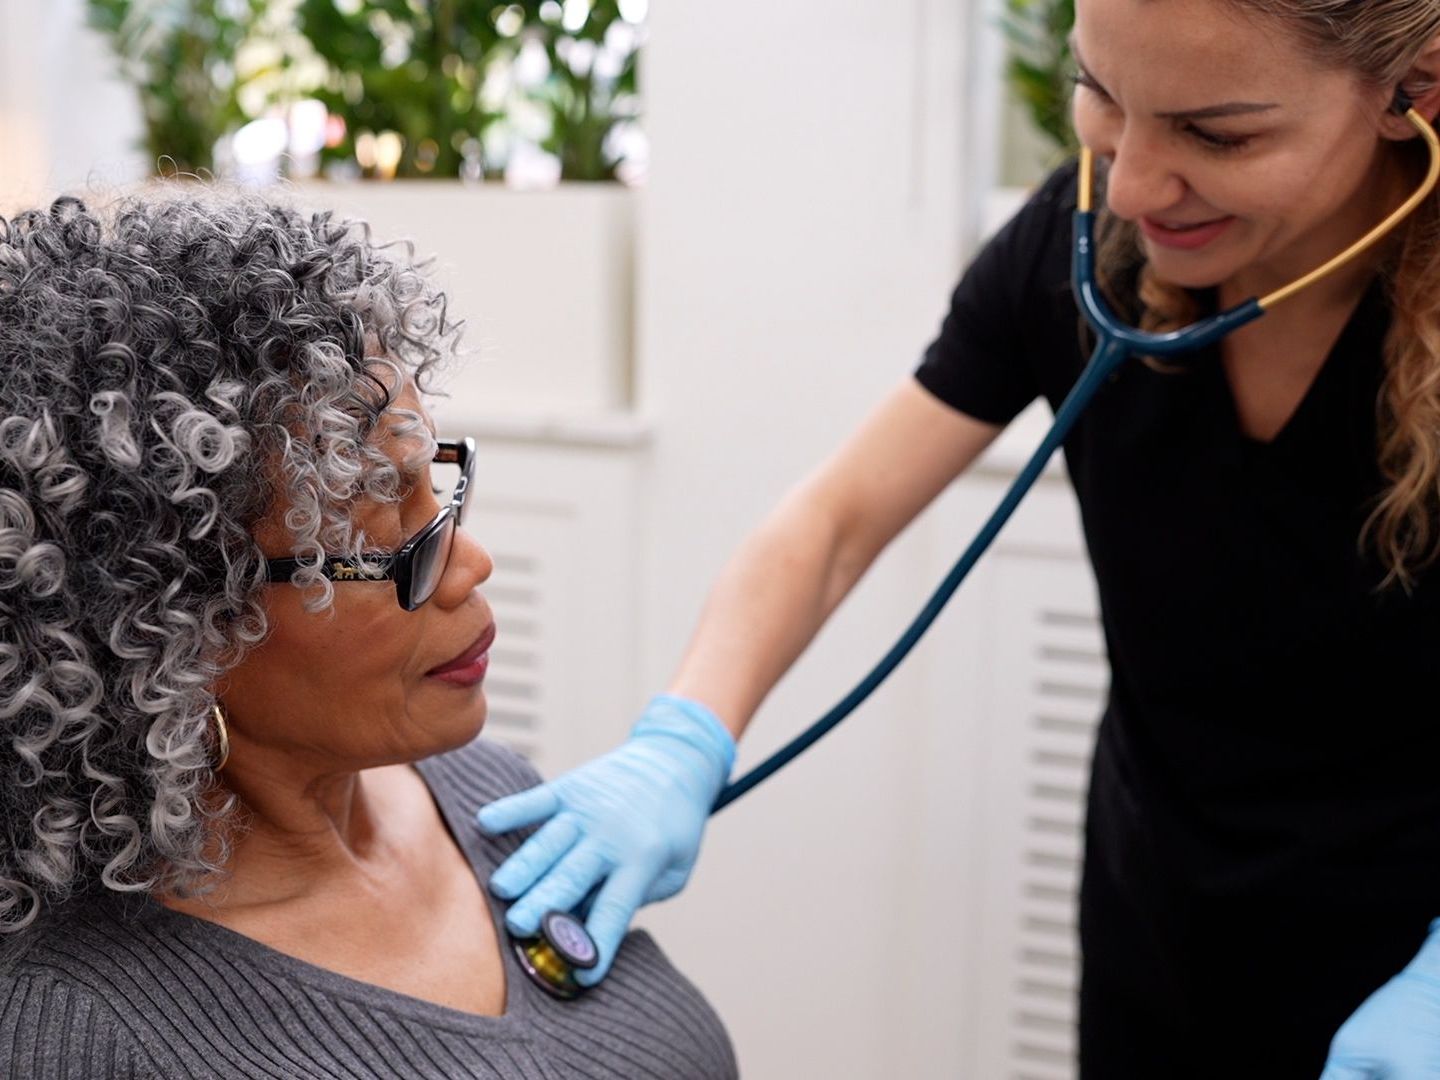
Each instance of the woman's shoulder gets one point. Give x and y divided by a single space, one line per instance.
481 771
1040 231
58 1027
69 992
1061 188
94 943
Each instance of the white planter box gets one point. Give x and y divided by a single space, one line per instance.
544 281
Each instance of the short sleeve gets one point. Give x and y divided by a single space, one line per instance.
54 1030
980 363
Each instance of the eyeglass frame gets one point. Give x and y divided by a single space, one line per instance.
397 565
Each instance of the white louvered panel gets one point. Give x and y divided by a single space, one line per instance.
533 543
514 686
1049 682
557 521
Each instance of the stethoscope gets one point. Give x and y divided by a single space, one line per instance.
563 945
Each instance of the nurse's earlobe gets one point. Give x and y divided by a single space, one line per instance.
1421 96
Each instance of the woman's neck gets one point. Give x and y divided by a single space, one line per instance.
306 838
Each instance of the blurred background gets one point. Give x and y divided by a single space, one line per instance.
694 243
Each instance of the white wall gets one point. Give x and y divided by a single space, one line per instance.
65 121
803 226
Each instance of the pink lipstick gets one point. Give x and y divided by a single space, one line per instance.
469 667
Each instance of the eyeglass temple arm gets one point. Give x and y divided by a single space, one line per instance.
281 569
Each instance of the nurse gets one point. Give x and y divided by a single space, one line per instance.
1263 837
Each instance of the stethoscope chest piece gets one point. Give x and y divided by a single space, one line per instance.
552 957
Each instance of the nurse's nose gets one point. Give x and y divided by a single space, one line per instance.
1139 180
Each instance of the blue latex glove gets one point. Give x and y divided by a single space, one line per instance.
631 818
1395 1034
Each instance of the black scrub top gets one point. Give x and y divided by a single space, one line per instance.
1273 725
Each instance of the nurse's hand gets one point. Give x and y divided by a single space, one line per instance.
1395 1034
631 819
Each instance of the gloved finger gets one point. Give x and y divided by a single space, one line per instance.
1340 1070
666 884
560 890
522 808
610 915
542 851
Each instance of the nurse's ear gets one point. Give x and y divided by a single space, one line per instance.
1422 87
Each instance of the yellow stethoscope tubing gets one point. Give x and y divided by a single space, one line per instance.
1086 201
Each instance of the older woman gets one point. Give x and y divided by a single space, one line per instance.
242 646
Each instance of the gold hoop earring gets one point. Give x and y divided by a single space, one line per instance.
222 736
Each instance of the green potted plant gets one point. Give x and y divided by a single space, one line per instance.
462 81
1035 128
1040 68
592 89
180 57
415 69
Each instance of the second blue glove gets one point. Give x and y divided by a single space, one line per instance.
1395 1034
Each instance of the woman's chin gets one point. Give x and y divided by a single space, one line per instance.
1187 271
448 726
471 723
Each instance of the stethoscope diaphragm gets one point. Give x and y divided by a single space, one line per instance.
550 958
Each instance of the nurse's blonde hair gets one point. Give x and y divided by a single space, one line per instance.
1379 40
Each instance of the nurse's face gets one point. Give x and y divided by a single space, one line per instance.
1241 159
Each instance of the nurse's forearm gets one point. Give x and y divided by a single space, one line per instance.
767 605
793 571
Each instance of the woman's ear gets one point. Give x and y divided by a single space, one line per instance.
1422 87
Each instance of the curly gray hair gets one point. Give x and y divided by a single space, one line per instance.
170 369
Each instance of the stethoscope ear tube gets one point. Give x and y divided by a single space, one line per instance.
1116 342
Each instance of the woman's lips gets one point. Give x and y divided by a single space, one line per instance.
1186 238
469 667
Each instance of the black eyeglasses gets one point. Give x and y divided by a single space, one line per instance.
420 563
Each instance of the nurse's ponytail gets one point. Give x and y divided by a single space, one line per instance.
1405 525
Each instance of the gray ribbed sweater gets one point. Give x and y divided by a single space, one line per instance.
134 990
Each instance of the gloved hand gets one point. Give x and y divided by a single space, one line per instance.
632 818
1395 1034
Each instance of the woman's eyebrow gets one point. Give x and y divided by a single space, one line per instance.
1209 112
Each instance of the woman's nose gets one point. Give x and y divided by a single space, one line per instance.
1140 180
470 565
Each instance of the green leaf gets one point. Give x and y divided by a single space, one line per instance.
1040 63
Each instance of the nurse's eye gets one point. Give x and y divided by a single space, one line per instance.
1215 141
1085 79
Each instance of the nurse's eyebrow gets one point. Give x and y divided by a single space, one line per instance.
1209 112
1213 112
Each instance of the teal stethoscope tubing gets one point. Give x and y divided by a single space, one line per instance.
1116 343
